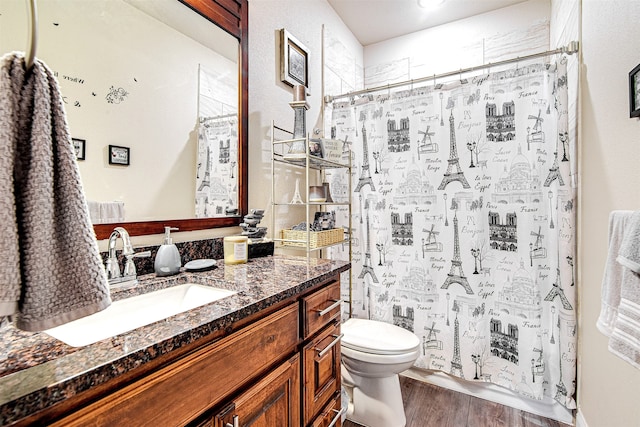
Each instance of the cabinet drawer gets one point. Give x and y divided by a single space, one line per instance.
181 391
321 370
320 307
331 415
273 401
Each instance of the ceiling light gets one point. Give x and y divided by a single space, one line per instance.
429 4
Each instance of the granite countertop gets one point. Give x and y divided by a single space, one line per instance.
38 371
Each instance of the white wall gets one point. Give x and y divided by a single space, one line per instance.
269 98
512 31
95 47
608 386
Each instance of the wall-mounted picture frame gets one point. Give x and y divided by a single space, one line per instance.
119 155
634 92
315 148
80 148
294 60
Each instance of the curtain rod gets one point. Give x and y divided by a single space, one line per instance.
569 49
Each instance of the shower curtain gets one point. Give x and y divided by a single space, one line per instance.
463 223
216 177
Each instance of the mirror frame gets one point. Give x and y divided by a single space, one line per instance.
232 16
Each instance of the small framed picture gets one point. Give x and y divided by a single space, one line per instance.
294 60
79 146
634 92
118 155
316 148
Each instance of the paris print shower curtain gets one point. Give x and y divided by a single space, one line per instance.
463 224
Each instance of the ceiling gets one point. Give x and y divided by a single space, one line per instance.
372 21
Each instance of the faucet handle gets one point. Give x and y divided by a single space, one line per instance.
129 266
143 254
112 268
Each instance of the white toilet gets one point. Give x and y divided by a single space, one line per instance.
373 354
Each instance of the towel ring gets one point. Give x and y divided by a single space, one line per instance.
30 54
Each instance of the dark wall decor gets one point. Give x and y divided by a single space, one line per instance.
294 60
80 148
634 92
119 155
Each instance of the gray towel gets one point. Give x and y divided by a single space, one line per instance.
51 271
625 338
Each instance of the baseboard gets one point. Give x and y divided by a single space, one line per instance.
548 407
580 421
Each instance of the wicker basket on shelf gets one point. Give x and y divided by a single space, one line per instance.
316 238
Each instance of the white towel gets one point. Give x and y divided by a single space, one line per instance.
52 265
111 212
94 211
629 255
613 272
625 338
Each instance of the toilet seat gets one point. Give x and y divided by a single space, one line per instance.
381 359
378 338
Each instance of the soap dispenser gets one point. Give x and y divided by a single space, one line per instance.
168 260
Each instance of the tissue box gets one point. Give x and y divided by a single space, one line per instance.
260 249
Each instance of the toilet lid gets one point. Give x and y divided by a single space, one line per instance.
371 336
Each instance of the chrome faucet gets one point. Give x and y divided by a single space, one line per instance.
112 266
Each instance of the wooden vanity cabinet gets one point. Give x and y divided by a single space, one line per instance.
178 393
280 370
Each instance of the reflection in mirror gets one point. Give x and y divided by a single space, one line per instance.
154 77
216 176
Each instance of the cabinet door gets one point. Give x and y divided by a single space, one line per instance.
273 402
321 372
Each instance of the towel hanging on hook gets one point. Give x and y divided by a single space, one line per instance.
30 54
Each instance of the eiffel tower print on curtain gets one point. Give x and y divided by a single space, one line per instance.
456 363
456 274
557 291
366 265
365 174
206 181
454 163
554 172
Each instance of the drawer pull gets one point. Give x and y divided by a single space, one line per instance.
331 344
337 417
331 307
236 422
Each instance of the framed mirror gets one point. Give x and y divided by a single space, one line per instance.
156 100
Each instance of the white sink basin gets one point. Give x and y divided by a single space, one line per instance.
131 313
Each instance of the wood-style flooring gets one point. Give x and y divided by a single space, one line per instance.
427 405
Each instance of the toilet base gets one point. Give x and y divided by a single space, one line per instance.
374 402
